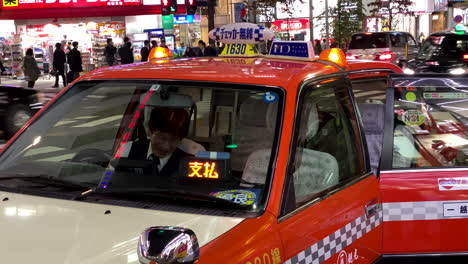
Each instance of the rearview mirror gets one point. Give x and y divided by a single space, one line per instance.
168 245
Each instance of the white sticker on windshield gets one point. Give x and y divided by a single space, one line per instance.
412 117
445 95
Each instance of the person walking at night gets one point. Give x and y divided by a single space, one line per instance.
74 60
109 52
30 68
145 51
59 65
126 53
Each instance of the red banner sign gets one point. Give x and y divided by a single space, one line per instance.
291 24
32 4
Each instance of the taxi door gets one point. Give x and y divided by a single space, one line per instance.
424 166
330 207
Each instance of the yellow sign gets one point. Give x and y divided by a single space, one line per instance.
239 50
10 2
209 170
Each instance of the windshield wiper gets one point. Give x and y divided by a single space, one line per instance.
167 193
45 180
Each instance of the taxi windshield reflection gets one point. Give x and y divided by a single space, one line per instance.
215 141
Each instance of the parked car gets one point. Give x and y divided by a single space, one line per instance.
394 47
17 106
441 52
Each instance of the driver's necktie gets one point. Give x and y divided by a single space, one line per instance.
156 163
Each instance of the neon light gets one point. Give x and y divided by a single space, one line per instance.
232 146
209 170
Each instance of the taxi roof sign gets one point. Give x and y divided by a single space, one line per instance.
298 50
241 33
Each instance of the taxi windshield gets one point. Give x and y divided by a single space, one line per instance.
212 140
430 124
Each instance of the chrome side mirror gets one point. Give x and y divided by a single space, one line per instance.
168 245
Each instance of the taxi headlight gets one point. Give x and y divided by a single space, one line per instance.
408 71
457 71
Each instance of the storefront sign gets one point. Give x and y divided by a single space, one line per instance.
33 4
111 28
440 5
297 9
291 24
168 24
186 19
423 6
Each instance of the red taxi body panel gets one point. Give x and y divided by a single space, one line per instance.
261 245
328 217
424 176
427 232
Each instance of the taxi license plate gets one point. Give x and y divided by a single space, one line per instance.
455 209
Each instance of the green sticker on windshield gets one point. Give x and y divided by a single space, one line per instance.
410 96
413 117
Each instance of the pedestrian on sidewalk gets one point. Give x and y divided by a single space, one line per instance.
154 44
126 53
145 51
206 50
59 65
163 44
30 68
74 60
109 52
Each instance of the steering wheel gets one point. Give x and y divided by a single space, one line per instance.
92 156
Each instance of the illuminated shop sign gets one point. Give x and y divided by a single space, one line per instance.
33 4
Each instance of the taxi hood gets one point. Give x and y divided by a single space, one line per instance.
45 230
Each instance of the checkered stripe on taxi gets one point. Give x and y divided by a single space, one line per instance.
429 210
408 211
335 242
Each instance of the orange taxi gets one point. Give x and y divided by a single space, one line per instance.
257 160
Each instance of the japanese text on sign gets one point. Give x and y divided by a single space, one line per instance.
456 209
241 33
203 170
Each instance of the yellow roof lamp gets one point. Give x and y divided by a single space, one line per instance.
334 55
159 54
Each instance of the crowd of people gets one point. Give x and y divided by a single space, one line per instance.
68 65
